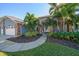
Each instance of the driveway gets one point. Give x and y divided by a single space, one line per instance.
4 37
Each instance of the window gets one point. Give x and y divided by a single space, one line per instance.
10 26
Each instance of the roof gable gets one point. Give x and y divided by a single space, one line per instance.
15 19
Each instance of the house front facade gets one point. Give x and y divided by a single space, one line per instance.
61 26
10 25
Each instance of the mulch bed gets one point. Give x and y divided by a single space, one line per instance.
24 39
64 42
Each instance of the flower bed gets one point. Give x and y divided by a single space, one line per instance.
27 37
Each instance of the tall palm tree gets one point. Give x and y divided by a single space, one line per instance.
30 22
66 11
75 19
50 23
54 12
53 8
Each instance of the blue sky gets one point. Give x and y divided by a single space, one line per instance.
20 9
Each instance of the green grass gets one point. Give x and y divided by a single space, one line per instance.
47 49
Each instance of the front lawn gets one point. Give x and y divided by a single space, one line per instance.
47 49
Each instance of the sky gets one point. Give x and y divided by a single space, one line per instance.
20 9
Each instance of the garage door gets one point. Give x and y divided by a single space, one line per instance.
10 31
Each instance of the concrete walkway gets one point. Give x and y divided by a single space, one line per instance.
9 46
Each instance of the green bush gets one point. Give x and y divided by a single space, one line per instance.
72 36
50 34
31 34
76 40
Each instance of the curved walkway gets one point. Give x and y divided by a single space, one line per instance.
9 46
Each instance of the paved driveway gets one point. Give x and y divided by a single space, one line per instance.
4 37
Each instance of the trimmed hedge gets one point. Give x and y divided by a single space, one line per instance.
72 36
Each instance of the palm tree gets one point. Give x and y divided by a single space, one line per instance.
53 8
54 12
30 22
75 19
66 11
50 23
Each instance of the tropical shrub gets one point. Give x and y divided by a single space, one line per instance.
31 34
71 36
50 34
30 22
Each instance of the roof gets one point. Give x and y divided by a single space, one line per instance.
44 17
15 19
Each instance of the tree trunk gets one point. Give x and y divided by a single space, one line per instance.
68 28
63 23
50 28
58 26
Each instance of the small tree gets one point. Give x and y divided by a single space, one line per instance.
30 22
50 23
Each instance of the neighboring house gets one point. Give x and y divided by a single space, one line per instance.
10 25
41 26
58 28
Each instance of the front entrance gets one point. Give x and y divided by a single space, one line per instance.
18 29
